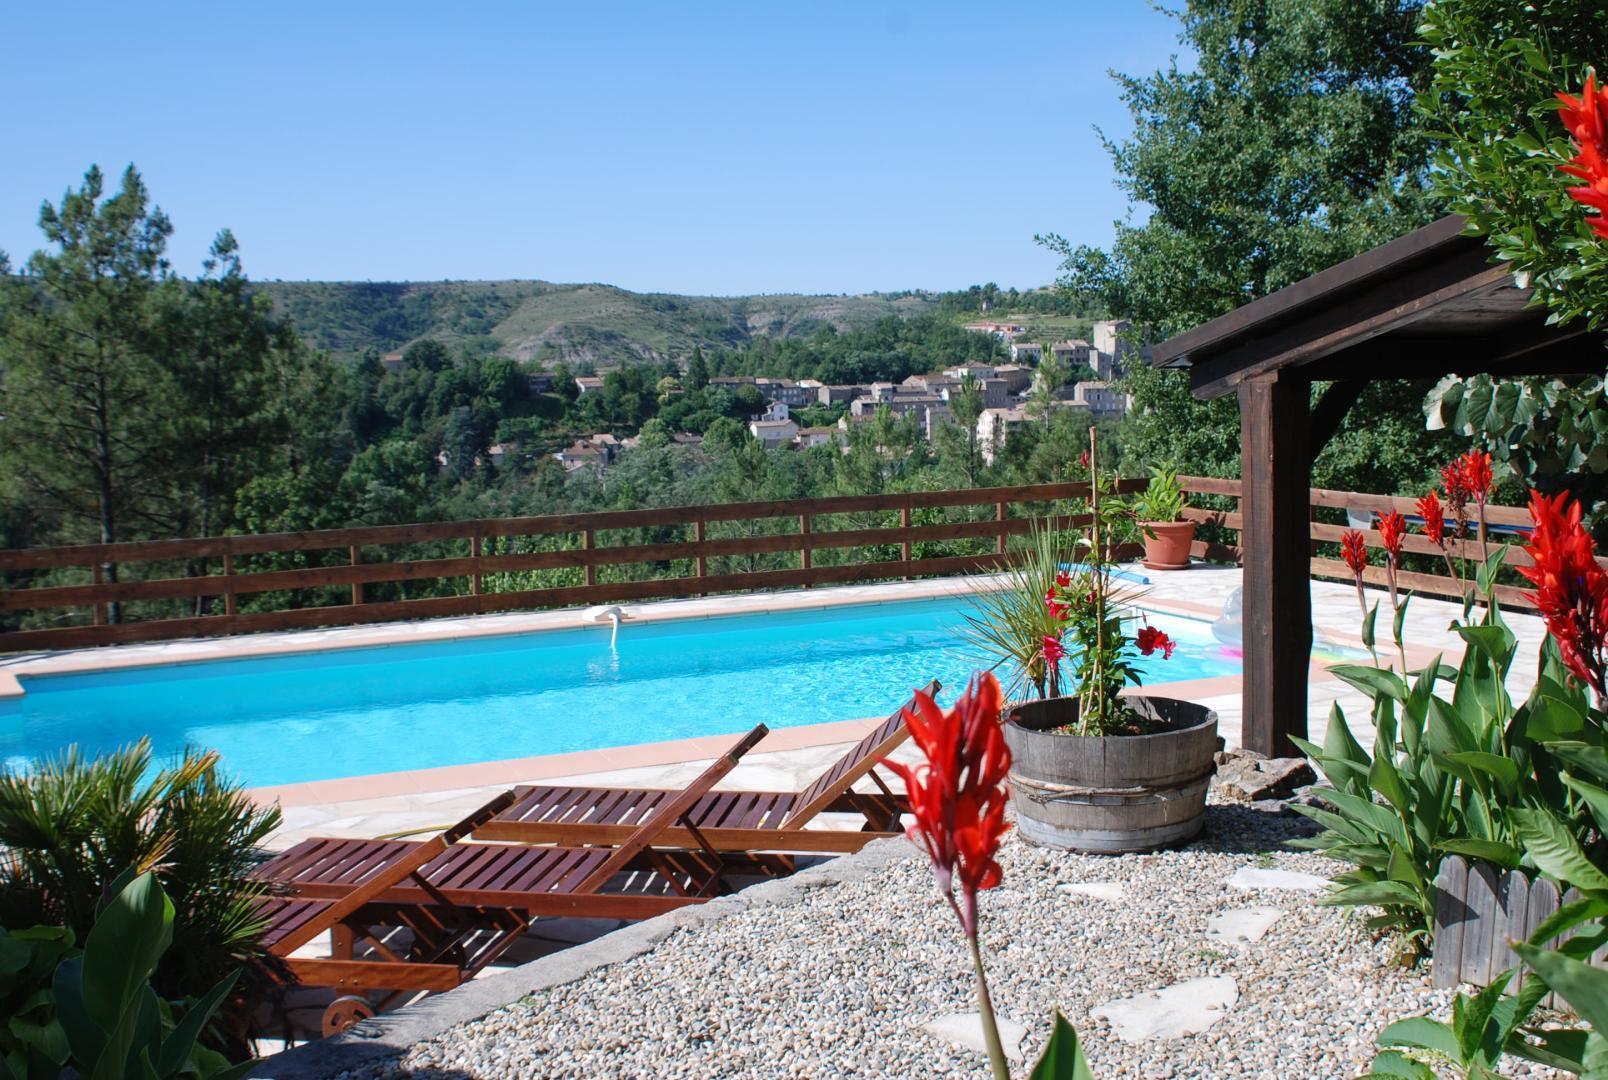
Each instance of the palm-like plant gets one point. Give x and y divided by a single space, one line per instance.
72 824
1011 623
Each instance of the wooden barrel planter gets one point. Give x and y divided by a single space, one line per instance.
1110 794
1480 909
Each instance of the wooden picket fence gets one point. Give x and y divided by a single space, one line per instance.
1480 911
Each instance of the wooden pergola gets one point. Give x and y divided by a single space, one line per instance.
1425 305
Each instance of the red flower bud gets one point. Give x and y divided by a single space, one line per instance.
1354 546
1429 508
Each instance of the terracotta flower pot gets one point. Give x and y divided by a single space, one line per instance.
1167 544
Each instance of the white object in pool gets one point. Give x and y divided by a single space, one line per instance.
605 613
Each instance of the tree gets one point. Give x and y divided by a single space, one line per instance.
223 345
1498 65
956 442
82 385
1292 146
427 355
697 370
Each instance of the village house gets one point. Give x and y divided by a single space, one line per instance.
540 382
588 384
1003 331
840 394
817 436
785 391
976 371
1026 352
1018 377
995 426
391 361
773 433
1073 353
1101 399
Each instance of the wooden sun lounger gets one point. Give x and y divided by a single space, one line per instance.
719 820
466 903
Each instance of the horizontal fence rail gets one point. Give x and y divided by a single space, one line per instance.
1468 550
213 571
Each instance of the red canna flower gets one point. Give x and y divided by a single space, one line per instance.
1571 588
1083 461
1059 611
1062 579
1392 530
1354 546
1583 116
1475 468
1149 639
1429 508
1053 649
958 796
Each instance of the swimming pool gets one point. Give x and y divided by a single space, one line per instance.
347 712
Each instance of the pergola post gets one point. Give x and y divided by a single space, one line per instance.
1275 471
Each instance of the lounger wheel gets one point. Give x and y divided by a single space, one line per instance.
343 1012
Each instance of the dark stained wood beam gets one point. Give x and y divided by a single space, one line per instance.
1384 306
1531 350
1329 413
1275 454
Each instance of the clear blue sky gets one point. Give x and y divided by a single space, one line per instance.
690 147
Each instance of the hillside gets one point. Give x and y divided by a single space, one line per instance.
537 320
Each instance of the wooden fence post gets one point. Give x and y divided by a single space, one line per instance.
905 549
805 554
356 552
1000 509
588 543
700 562
100 605
228 585
474 553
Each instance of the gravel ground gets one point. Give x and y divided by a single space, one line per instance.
840 982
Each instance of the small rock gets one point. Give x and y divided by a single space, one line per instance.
1100 890
1248 776
1256 877
1185 1008
966 1029
1243 926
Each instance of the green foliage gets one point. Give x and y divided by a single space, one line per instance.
1010 624
72 825
1290 145
1498 65
1161 500
1455 776
1063 1057
92 1012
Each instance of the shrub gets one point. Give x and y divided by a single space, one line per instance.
91 1012
73 825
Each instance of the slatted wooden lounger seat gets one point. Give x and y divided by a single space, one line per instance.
464 904
720 820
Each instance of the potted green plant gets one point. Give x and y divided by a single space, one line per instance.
1093 769
1160 509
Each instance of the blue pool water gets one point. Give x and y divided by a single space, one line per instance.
317 716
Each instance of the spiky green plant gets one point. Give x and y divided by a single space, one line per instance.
1011 623
72 824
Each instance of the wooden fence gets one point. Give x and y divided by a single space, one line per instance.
1468 551
210 568
211 575
1480 910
